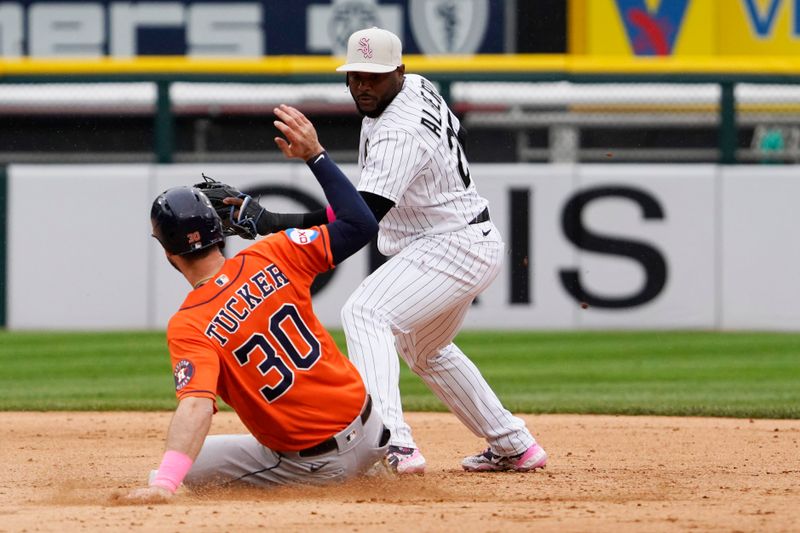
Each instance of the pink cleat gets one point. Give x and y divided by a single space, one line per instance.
405 460
488 461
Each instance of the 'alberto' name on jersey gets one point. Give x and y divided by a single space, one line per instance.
412 155
248 297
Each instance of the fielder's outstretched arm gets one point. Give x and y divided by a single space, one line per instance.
351 224
354 225
271 222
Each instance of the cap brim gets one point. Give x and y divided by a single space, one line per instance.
366 67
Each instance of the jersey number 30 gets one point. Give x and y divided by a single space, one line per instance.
273 361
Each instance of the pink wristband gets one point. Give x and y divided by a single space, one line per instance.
330 213
174 467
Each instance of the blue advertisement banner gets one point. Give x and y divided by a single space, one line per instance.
205 28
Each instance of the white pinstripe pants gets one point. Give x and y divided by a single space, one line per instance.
415 304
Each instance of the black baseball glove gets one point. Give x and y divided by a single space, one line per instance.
241 220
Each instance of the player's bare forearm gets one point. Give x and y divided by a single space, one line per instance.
186 434
190 425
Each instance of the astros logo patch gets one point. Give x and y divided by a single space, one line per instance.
184 371
302 236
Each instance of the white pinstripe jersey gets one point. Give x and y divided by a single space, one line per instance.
410 154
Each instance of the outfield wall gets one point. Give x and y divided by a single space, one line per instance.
646 246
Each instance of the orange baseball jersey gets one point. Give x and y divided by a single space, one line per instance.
250 336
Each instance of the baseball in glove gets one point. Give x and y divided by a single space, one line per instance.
241 220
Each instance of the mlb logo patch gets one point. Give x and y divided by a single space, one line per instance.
302 236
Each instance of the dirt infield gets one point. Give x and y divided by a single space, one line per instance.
61 472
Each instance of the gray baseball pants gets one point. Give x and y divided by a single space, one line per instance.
241 459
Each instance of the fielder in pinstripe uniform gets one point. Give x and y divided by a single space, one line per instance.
446 251
416 180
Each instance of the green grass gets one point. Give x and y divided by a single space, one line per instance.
665 373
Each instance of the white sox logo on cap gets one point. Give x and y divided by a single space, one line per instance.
364 47
373 50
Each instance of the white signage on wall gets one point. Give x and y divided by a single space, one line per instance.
10 29
759 252
588 246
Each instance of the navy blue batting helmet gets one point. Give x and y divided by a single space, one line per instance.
184 221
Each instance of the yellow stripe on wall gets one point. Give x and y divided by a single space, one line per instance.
577 26
489 64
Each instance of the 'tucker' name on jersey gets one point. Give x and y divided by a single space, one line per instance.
248 296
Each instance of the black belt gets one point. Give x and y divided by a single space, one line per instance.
330 444
482 217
